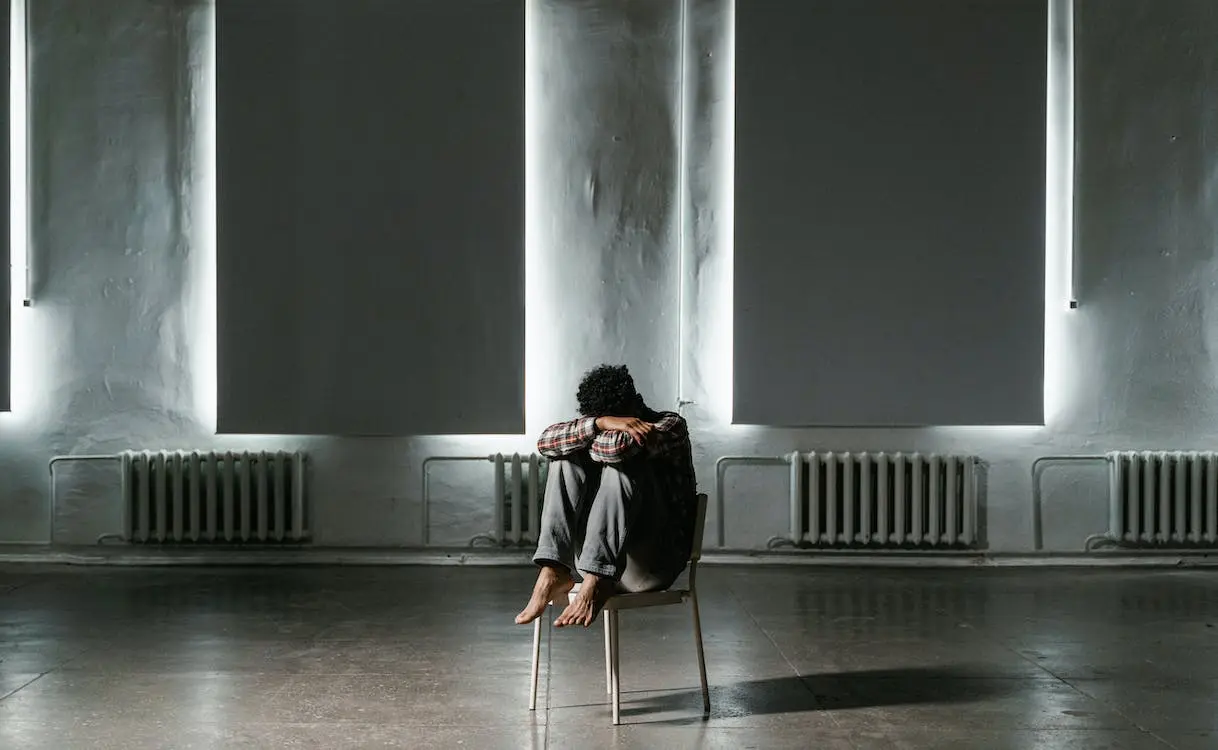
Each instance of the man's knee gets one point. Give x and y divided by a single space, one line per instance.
631 477
615 482
574 468
567 464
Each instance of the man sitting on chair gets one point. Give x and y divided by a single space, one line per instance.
620 500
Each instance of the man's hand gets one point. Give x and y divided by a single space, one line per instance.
632 426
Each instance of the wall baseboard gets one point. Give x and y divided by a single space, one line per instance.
123 556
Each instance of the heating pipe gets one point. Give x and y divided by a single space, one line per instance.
1038 466
54 495
426 502
525 480
721 467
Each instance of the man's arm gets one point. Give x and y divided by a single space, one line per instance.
615 447
565 438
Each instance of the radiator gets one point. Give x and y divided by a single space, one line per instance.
883 500
1163 498
175 497
518 488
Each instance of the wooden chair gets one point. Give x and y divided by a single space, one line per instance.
620 602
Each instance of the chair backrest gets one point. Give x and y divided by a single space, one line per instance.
695 553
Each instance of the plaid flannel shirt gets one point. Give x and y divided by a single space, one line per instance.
668 448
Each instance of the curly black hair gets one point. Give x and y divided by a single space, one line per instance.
608 391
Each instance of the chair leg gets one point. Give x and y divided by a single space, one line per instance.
536 660
693 600
608 658
616 671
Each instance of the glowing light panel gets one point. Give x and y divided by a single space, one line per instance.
1059 203
539 308
28 347
18 144
205 364
718 374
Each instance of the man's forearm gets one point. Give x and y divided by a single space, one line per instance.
566 438
613 447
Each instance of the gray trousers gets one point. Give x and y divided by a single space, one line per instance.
607 521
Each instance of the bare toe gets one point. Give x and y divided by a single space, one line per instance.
586 607
532 611
551 585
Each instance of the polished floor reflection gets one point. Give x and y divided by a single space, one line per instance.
428 657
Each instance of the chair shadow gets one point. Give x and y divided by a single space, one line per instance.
842 691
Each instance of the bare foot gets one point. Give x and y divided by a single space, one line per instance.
552 584
593 593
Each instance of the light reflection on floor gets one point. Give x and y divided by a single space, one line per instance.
428 657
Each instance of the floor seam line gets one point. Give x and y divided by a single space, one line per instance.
1117 709
1067 682
23 687
798 676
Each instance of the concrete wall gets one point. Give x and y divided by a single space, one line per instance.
114 353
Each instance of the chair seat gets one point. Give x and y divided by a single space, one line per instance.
638 601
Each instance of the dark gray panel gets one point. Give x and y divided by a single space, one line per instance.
371 216
889 212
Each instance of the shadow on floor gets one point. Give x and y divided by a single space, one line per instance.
876 688
840 691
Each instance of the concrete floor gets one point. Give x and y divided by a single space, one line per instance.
421 657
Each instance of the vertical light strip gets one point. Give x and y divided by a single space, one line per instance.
683 198
539 307
205 353
719 321
1059 201
27 353
1067 81
1059 210
19 227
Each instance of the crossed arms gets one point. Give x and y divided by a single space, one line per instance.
613 446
